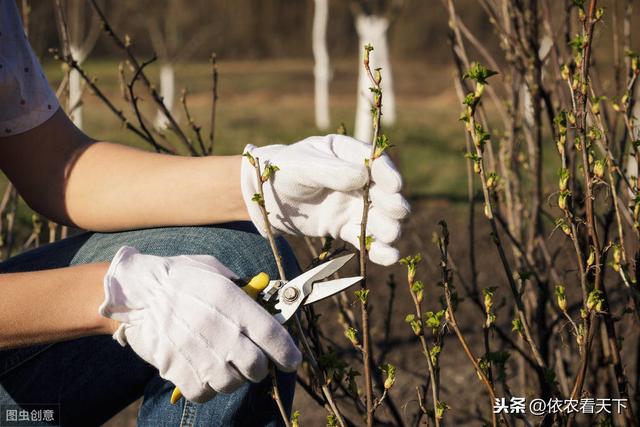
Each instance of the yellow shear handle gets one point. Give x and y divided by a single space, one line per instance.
253 289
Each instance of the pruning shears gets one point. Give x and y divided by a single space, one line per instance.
308 288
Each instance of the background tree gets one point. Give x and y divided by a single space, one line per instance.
82 31
372 20
321 70
175 38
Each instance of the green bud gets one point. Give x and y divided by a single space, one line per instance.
625 98
561 297
563 198
487 293
617 257
368 241
412 264
516 325
250 158
487 211
492 180
418 290
377 76
476 166
441 408
434 354
413 321
563 180
257 197
295 419
562 224
382 144
362 295
592 256
367 49
581 334
433 320
599 13
268 172
352 336
595 300
479 73
390 375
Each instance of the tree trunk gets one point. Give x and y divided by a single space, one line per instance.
74 105
372 29
167 91
321 70
82 37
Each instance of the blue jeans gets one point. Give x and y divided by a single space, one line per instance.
91 379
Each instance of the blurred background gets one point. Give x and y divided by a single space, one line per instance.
266 82
266 72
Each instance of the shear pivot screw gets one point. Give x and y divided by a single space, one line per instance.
290 295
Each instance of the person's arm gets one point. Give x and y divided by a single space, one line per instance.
70 178
182 314
52 305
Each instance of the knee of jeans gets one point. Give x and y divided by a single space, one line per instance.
239 247
247 253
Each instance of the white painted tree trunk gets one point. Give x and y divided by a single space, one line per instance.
372 30
167 91
321 70
74 105
75 94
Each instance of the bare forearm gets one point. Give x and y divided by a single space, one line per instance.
113 187
101 186
52 305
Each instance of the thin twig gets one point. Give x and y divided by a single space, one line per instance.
214 102
281 272
443 243
125 45
261 178
194 126
363 238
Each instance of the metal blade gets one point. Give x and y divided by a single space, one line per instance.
320 272
304 286
324 290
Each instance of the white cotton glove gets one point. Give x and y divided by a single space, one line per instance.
184 316
317 191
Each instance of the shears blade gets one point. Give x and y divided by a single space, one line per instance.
320 272
292 294
322 290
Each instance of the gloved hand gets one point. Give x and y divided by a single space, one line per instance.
317 191
184 316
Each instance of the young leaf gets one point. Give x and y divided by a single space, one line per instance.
479 73
362 295
295 419
390 375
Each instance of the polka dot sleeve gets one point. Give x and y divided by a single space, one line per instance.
26 99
